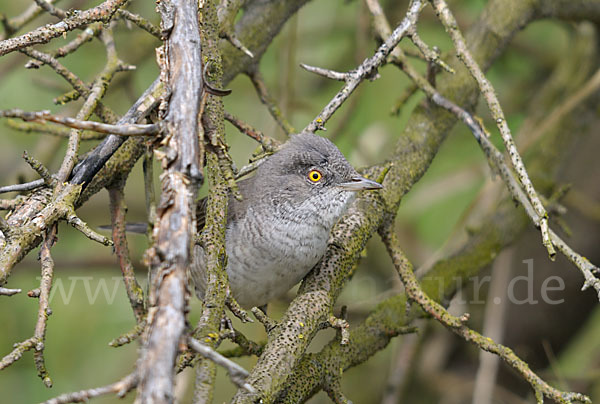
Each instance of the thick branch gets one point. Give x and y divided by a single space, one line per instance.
170 256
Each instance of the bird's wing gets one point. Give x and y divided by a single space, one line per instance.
201 213
235 209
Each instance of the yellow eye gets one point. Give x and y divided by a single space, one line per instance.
315 175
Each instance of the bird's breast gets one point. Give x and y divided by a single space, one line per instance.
268 254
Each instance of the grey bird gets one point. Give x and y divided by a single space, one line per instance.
279 231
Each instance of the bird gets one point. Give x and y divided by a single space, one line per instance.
279 230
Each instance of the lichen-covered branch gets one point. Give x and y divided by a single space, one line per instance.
103 13
489 94
457 325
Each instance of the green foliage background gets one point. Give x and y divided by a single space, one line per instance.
332 34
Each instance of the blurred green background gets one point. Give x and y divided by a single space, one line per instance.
89 303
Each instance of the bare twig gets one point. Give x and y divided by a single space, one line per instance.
9 292
265 320
44 304
342 326
37 341
245 346
449 22
589 88
86 35
103 13
237 310
431 56
40 169
28 186
269 144
76 222
18 351
140 22
269 101
119 129
58 67
117 214
119 388
237 374
129 336
235 41
93 96
330 74
50 129
496 160
368 68
51 9
406 94
85 171
16 23
456 324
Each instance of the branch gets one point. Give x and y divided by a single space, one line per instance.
9 292
449 22
170 255
269 144
119 388
367 69
16 23
94 174
117 214
39 335
103 13
494 156
456 324
121 130
268 100
213 235
91 31
237 374
28 186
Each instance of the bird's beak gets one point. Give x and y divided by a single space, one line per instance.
359 183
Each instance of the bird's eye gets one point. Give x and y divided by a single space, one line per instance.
315 175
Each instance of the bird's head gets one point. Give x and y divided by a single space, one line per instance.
311 174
